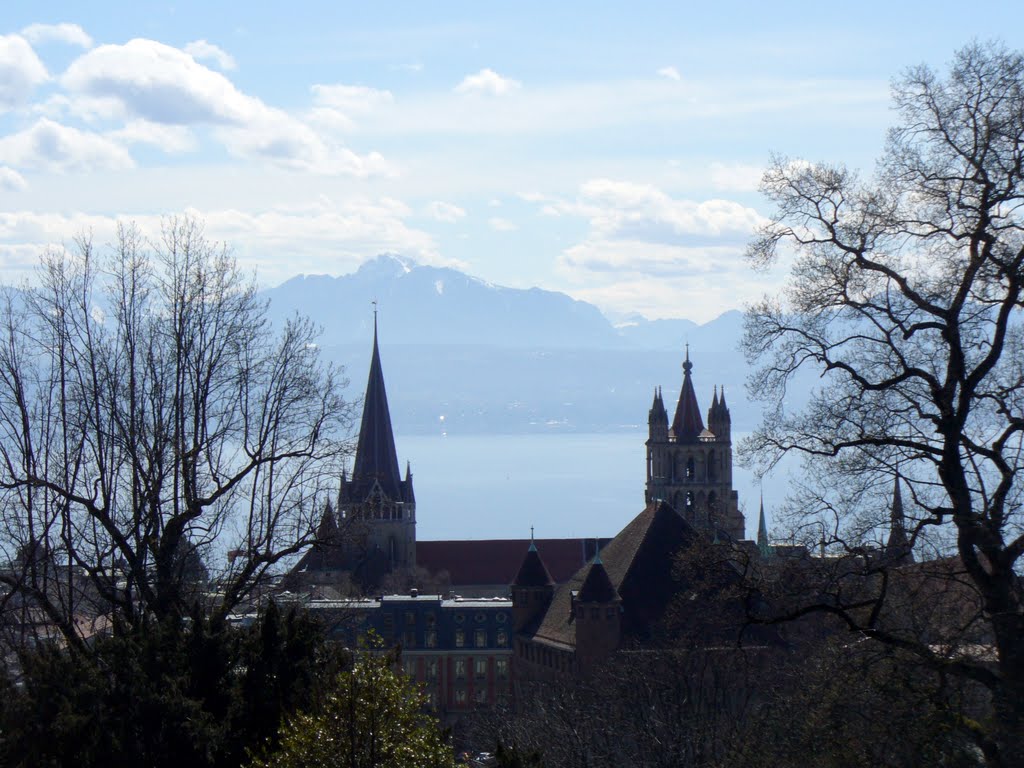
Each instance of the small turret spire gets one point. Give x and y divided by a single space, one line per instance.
687 424
898 546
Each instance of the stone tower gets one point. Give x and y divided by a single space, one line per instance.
376 506
597 612
690 466
531 590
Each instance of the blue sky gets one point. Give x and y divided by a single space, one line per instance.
607 151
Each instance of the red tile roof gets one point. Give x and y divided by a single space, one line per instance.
496 561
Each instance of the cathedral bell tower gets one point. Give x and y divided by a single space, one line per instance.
690 466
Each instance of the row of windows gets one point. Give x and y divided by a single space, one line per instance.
430 619
479 638
460 667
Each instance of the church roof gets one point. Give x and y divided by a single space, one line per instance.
638 564
376 457
687 424
490 562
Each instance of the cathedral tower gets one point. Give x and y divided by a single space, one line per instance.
376 505
690 466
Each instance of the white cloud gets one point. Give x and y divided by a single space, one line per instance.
335 106
489 82
445 212
161 84
671 73
501 225
278 242
165 85
202 50
173 139
20 71
11 180
72 34
736 177
630 211
50 146
650 252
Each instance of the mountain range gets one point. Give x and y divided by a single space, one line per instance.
463 355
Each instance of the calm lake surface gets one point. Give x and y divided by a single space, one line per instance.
490 487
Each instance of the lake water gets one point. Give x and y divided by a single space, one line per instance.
483 487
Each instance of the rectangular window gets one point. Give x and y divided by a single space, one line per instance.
409 665
480 638
480 695
430 638
501 668
460 669
409 639
460 638
431 669
410 618
460 697
502 639
480 667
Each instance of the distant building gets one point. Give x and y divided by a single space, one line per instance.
459 650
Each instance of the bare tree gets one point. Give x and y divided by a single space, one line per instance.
905 295
151 422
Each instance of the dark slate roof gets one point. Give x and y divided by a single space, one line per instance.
597 587
376 457
497 561
639 565
533 572
687 424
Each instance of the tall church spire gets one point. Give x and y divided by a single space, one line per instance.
898 546
762 533
687 424
376 457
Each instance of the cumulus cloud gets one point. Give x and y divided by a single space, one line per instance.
445 212
671 73
72 34
648 251
50 146
173 139
20 71
165 85
501 225
201 50
161 84
11 180
487 82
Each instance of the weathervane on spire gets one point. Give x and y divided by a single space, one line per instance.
687 365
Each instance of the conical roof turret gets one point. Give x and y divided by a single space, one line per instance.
376 457
597 586
687 424
532 571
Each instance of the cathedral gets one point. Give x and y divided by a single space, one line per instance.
371 530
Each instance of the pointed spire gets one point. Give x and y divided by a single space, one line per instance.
721 402
898 546
687 424
762 532
376 457
597 552
533 544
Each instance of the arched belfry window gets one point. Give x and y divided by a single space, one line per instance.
712 466
691 469
689 504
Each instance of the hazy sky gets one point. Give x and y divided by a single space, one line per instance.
609 150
